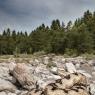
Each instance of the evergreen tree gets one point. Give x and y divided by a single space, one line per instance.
78 37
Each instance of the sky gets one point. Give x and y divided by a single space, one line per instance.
26 15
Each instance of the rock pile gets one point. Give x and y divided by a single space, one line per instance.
48 75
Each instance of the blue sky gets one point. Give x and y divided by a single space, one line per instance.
28 14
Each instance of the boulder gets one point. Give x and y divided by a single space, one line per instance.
33 92
44 77
11 94
79 60
79 92
70 67
4 71
11 66
49 91
23 92
3 93
84 73
93 73
59 61
70 80
6 85
42 83
77 65
91 62
54 70
92 88
46 60
7 93
23 75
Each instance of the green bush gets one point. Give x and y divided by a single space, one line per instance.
70 52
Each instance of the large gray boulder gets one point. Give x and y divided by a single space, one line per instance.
92 88
85 73
4 71
6 85
44 77
3 93
22 73
7 93
70 67
59 61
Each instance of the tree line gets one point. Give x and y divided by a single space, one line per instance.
59 38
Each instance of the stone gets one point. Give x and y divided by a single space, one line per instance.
11 66
42 83
11 94
3 93
84 73
54 70
22 74
6 85
49 91
46 60
59 61
79 92
70 67
24 93
77 65
33 92
91 62
7 93
44 77
72 79
92 88
4 70
79 60
93 73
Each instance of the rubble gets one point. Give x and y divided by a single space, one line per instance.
69 76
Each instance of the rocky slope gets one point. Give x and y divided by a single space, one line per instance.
48 75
